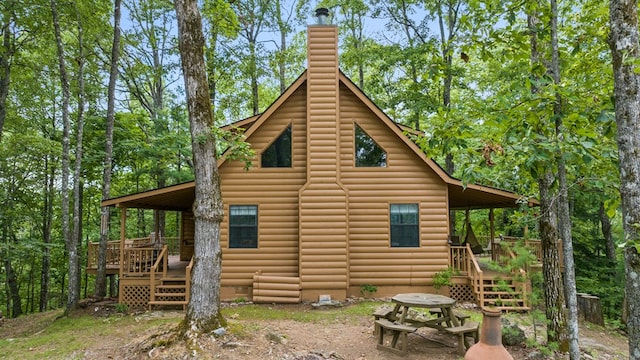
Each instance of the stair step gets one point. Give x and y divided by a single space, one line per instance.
495 301
175 302
511 293
170 294
164 286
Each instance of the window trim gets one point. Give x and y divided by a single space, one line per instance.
232 226
417 234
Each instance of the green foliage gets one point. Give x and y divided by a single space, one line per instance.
443 278
122 308
366 290
234 145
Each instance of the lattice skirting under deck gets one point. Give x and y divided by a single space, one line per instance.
462 293
135 296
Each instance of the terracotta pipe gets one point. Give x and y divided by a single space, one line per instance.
490 344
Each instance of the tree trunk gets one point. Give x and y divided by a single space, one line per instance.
605 224
564 214
203 313
14 302
282 63
47 214
553 288
623 15
77 172
450 167
101 287
255 95
5 71
73 295
12 287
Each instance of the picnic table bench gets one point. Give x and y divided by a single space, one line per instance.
461 317
399 325
469 329
399 332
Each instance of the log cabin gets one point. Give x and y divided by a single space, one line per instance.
338 198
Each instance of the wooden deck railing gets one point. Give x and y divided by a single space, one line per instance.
138 260
113 249
113 254
459 259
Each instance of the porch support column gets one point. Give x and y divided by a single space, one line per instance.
492 230
123 234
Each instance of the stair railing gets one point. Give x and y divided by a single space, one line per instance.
158 267
187 281
476 275
519 286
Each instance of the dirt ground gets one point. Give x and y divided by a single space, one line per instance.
346 339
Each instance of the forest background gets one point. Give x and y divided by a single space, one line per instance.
460 71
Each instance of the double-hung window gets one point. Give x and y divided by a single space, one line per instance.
404 220
243 226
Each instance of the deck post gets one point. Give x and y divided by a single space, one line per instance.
492 230
123 234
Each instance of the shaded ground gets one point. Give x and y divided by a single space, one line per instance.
335 337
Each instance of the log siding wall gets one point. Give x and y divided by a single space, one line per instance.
325 220
406 179
275 191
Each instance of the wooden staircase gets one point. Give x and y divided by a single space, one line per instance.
490 288
169 289
504 293
169 292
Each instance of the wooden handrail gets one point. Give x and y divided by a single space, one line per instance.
188 281
162 259
476 275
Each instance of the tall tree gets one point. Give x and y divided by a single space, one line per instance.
564 215
203 312
149 71
100 287
252 15
77 171
553 289
625 51
221 23
73 295
6 53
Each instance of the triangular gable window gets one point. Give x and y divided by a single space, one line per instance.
278 154
368 152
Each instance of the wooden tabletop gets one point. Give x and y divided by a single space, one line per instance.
423 300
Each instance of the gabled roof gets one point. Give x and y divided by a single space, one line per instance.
461 196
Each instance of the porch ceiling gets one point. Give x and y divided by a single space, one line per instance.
482 197
177 197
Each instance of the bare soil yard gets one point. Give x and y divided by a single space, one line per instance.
280 332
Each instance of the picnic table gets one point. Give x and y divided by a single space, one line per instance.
400 324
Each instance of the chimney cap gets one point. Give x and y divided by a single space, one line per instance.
322 14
